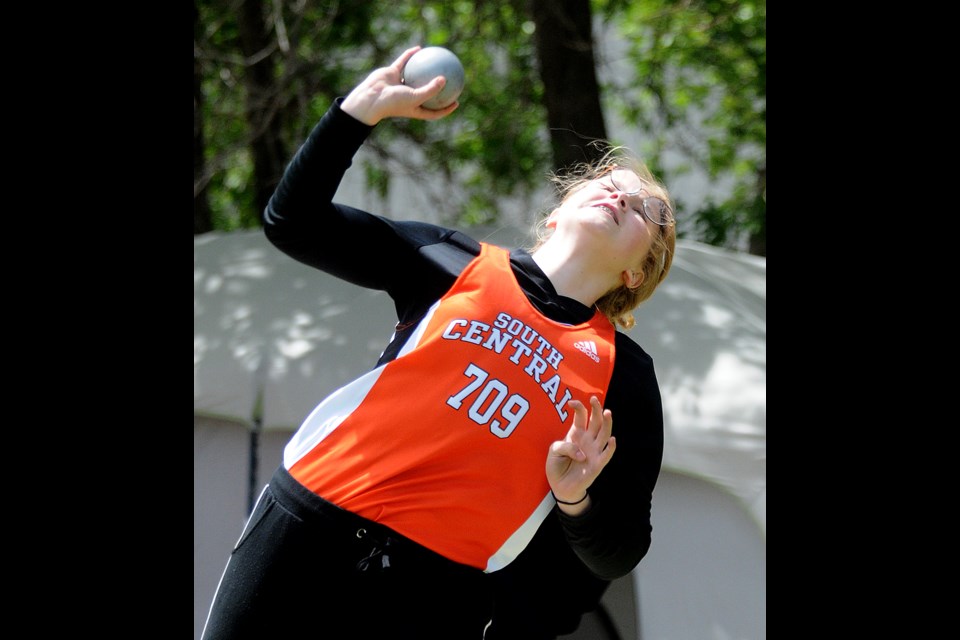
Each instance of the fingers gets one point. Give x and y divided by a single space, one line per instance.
401 62
608 452
599 423
436 114
428 91
591 432
575 462
382 95
567 449
596 416
579 414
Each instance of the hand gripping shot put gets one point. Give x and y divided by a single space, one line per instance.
430 62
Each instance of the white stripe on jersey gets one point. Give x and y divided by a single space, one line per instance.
520 538
337 407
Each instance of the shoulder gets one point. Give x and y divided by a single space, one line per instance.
629 352
432 257
425 234
634 374
441 247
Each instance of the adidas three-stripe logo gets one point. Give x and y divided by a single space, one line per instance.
588 347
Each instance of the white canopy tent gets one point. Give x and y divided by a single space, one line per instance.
272 337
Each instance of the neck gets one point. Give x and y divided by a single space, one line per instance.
572 275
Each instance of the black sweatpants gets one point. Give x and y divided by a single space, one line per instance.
304 568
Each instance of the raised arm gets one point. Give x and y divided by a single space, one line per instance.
301 218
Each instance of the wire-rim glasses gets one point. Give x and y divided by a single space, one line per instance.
630 184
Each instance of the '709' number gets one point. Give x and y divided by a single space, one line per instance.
484 406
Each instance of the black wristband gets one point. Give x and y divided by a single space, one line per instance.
585 494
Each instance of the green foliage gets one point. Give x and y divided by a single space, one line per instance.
325 48
696 82
227 153
699 77
316 53
497 137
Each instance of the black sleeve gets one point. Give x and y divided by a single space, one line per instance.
545 591
568 565
615 533
414 262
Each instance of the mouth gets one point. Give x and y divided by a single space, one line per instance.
613 214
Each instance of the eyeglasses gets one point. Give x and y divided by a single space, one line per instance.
630 184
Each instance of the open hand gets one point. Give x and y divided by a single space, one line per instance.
575 462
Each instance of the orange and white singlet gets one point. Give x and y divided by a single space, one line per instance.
447 443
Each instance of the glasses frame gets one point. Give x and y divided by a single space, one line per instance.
646 213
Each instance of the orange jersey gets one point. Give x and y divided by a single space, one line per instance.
447 443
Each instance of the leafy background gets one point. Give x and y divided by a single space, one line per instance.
683 83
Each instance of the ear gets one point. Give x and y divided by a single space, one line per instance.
552 220
632 279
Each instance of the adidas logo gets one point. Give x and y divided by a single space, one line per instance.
588 347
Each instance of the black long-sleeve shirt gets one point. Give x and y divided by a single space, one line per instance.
415 263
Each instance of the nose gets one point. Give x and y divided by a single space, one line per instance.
620 198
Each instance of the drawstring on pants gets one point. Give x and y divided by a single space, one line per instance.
379 551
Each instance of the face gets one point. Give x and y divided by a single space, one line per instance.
608 215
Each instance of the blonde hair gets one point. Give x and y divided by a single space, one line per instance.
618 304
